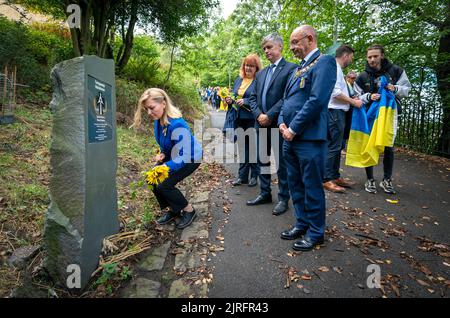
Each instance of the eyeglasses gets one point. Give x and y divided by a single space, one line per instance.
296 41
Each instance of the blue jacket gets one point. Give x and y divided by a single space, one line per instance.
177 143
305 106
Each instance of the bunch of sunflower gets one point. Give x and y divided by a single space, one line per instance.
157 175
224 93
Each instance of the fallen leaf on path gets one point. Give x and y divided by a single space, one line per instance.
323 269
425 270
395 289
392 201
422 283
306 277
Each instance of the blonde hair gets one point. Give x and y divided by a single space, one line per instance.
157 95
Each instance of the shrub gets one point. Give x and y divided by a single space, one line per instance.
33 51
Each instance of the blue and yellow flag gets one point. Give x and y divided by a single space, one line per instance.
372 130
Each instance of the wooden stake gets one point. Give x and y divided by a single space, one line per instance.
4 90
14 89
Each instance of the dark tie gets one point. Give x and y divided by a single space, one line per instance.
302 64
266 86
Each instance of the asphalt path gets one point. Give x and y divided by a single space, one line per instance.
406 237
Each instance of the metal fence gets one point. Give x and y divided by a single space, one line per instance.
421 123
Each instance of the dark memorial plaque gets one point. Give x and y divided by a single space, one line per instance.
83 193
100 117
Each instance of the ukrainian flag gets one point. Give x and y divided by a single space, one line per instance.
372 130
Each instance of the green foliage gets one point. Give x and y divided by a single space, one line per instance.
33 51
144 62
147 68
111 275
127 95
148 214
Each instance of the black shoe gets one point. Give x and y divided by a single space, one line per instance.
306 244
186 219
238 182
166 218
260 200
292 234
280 208
253 182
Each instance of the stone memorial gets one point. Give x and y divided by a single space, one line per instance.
83 193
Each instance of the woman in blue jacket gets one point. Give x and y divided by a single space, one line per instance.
240 116
180 152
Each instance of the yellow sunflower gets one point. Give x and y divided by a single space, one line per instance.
157 175
224 93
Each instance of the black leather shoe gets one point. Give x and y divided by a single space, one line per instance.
306 244
238 182
166 218
280 208
292 234
253 182
260 200
186 219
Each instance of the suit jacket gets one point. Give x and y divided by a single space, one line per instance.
242 112
275 91
305 108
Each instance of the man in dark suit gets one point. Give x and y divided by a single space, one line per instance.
303 124
265 102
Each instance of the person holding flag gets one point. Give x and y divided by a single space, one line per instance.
370 88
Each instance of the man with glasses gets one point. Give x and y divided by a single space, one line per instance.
303 124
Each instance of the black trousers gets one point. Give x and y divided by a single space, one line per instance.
168 195
245 167
388 164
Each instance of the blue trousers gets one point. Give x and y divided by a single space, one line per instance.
264 137
305 161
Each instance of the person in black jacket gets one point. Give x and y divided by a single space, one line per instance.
366 87
266 102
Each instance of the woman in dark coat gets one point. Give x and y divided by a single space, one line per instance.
240 116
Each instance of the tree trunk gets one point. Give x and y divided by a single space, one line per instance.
443 79
171 66
75 36
128 41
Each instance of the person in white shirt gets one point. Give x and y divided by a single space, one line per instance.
340 103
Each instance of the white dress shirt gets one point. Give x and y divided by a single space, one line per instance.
339 88
307 57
